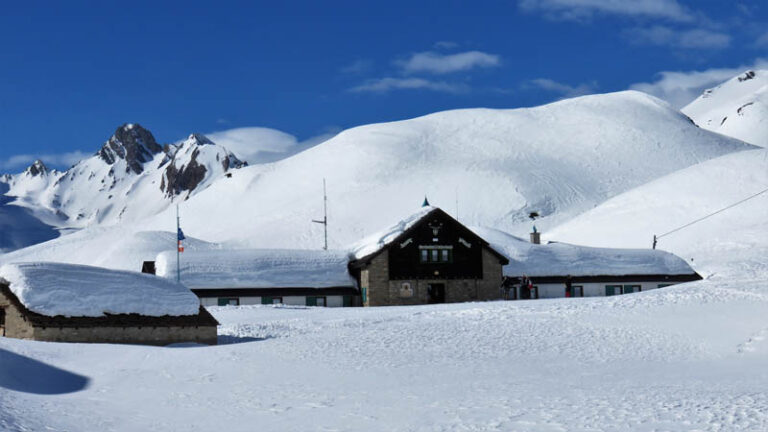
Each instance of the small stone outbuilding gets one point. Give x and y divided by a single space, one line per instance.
428 257
71 303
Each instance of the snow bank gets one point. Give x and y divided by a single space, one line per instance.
561 259
258 268
74 290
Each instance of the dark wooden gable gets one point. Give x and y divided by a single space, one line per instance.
434 233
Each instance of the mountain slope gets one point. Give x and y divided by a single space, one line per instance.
558 160
735 239
737 108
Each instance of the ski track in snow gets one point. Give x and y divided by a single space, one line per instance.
670 359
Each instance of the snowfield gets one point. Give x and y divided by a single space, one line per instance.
690 357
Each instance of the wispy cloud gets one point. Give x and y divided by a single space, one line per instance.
438 63
564 90
357 67
582 10
59 160
445 45
762 41
680 88
687 39
383 85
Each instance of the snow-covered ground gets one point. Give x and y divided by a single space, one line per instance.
690 357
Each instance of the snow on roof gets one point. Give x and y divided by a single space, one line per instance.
258 268
562 259
379 240
84 291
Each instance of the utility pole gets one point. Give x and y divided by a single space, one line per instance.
178 246
324 222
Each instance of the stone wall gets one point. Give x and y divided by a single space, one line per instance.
381 291
375 280
488 288
128 335
16 325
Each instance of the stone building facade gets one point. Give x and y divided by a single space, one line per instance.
435 260
17 321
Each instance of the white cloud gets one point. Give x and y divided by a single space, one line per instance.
437 63
261 145
681 88
687 39
52 160
383 85
562 89
580 10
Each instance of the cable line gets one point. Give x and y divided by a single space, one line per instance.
655 237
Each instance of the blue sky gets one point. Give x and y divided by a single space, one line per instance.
73 71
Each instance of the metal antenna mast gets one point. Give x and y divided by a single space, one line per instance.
324 222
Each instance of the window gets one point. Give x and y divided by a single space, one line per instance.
315 301
229 301
436 254
628 289
612 290
2 321
577 291
271 300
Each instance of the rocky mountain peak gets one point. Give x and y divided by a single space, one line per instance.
132 143
199 139
37 168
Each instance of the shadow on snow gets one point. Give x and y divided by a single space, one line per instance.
23 374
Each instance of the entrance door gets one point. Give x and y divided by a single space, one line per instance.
2 321
436 293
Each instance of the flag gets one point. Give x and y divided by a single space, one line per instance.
180 237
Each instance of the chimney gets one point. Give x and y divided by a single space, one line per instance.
535 236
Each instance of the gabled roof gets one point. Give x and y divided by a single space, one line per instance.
374 244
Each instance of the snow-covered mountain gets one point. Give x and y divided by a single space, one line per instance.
559 160
737 108
130 178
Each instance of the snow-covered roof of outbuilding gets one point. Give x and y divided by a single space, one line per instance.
562 259
258 268
69 290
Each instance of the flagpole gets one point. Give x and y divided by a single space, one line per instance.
178 252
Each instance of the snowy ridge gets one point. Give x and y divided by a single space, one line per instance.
736 108
73 290
561 259
258 268
132 177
